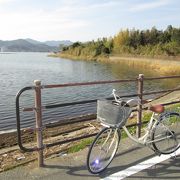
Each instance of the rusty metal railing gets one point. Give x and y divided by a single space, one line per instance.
38 108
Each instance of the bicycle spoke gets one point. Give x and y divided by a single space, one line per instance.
102 150
165 136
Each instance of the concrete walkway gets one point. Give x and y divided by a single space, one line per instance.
73 166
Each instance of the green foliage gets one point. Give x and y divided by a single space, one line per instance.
81 145
172 48
151 43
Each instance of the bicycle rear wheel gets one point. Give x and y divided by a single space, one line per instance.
103 150
166 135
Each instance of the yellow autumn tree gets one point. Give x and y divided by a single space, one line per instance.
120 40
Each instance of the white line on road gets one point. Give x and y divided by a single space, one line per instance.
141 166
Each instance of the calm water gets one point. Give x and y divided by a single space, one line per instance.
21 69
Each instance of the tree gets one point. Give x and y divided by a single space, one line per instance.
120 40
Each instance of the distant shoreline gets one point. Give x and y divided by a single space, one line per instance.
8 52
166 65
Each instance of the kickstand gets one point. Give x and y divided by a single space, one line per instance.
174 156
155 151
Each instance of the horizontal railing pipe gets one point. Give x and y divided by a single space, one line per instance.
82 102
87 83
86 136
162 77
163 91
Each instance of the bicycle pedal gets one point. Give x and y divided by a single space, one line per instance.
157 153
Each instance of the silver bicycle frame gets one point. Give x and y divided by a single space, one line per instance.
144 139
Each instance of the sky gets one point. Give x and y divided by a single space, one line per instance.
83 20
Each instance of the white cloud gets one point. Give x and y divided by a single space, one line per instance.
5 1
39 24
149 5
46 24
73 7
73 19
107 4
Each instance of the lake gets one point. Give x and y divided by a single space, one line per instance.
18 70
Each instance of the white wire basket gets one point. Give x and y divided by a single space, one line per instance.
112 114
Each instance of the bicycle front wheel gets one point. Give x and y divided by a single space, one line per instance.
166 135
103 150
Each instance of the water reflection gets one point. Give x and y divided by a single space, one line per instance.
129 69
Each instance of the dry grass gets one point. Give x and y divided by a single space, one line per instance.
161 66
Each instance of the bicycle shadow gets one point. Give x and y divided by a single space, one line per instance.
164 170
82 171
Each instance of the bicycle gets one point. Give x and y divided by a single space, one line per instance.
161 134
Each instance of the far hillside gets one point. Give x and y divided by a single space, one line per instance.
30 45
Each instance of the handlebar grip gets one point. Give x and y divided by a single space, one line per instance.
133 102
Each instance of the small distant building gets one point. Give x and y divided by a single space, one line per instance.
1 49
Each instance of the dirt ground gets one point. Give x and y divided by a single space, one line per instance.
11 155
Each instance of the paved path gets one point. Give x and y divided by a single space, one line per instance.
73 166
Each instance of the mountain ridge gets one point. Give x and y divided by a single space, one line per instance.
30 45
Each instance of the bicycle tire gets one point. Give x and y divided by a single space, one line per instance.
99 154
168 132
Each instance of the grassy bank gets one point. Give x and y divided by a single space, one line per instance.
164 65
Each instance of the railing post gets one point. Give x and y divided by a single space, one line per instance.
140 94
38 115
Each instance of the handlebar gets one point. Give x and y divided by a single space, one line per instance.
130 102
116 97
